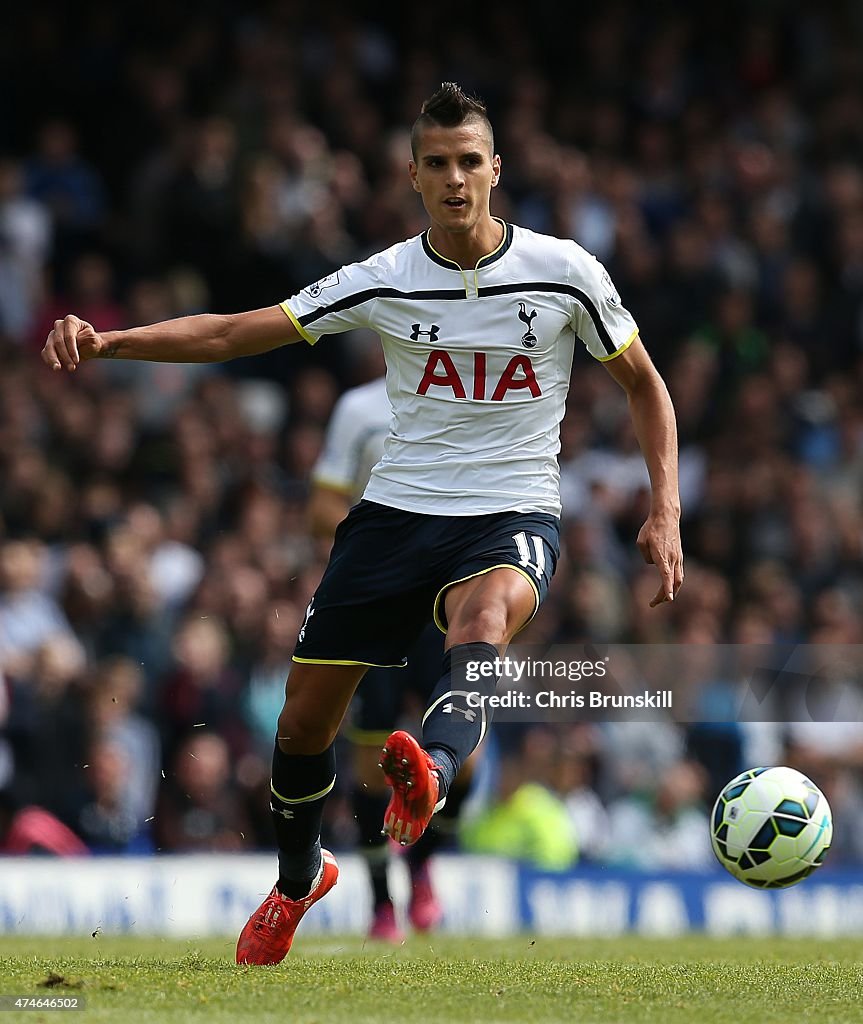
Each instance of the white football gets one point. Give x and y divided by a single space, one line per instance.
771 827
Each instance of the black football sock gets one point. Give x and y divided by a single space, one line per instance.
369 810
298 791
379 878
453 728
442 828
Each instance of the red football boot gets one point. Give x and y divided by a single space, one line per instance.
411 773
269 932
424 911
384 926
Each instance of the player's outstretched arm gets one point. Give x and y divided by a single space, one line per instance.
655 426
208 338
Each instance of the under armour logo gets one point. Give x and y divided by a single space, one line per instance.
285 813
309 613
468 713
528 339
432 334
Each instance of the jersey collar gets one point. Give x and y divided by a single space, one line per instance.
482 262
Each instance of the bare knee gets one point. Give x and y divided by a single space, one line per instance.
300 732
316 699
485 623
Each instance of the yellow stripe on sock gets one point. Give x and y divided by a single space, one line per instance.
302 799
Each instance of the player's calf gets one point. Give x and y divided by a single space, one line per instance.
458 717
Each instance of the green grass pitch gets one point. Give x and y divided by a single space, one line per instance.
444 980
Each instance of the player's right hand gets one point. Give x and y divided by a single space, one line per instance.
72 341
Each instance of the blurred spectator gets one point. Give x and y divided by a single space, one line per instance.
526 822
199 808
664 825
113 722
108 820
28 616
200 691
200 207
30 830
25 247
89 286
46 725
574 781
136 625
71 187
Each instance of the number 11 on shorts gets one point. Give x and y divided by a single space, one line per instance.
521 542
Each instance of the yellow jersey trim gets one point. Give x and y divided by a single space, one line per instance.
303 333
441 256
621 350
504 565
458 266
337 661
499 245
480 263
302 799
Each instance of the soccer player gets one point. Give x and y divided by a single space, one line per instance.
353 446
478 320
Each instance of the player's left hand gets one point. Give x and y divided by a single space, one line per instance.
659 543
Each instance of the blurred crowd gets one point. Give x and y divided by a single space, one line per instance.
154 556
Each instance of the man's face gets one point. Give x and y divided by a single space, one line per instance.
455 172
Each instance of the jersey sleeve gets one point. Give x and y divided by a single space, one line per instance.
341 301
339 462
599 318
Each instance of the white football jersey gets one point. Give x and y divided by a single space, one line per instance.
478 364
355 439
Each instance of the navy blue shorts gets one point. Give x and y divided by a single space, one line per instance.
389 571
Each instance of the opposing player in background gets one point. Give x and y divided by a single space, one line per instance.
478 321
353 445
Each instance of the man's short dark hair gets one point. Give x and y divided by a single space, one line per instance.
449 107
